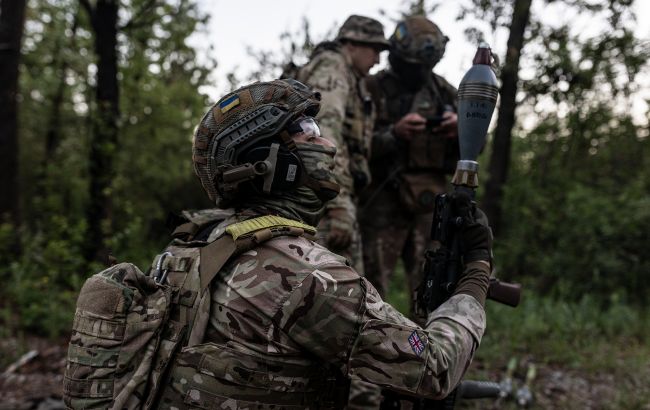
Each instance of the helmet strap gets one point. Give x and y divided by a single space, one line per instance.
270 162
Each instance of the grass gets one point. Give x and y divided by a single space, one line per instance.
587 356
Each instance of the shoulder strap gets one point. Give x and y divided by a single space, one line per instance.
212 258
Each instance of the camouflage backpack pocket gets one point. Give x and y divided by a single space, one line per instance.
208 376
116 331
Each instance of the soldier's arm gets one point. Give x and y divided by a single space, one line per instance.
344 321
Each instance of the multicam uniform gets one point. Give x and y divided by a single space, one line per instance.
290 321
346 119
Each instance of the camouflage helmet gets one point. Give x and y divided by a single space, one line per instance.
418 40
365 30
246 120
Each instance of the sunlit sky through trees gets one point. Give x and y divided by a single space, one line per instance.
236 26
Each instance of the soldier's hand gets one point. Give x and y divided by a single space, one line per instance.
409 126
475 235
448 128
476 247
341 229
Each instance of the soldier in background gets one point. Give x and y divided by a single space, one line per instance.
336 71
414 147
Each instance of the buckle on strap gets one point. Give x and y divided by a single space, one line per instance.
160 274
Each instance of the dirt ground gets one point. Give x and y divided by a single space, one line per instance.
37 383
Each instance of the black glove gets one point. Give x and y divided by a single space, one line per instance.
475 235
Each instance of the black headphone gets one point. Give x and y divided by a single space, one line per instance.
278 167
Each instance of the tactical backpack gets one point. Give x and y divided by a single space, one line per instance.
128 325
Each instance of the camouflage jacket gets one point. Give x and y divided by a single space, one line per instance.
345 117
291 321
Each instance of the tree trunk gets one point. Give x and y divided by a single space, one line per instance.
61 64
104 140
500 156
12 20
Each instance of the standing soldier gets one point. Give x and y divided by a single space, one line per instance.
414 147
336 71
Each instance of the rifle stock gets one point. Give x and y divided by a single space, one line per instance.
504 292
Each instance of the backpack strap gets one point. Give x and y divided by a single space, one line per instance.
193 301
213 257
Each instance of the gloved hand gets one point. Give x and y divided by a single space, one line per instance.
341 229
476 247
475 235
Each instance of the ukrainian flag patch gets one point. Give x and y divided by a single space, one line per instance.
400 32
229 103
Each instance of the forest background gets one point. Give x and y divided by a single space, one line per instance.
98 101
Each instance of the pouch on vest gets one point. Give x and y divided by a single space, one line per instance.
417 191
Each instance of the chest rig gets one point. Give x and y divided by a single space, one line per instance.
419 165
429 152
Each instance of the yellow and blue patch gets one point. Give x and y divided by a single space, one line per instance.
400 32
229 103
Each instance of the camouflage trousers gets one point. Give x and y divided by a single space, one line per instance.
390 233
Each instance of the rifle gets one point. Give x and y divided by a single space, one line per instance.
443 264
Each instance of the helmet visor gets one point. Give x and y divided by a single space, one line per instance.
306 126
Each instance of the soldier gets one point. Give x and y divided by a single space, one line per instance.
414 146
291 322
336 70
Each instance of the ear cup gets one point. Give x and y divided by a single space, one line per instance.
288 167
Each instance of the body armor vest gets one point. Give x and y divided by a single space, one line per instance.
419 165
429 152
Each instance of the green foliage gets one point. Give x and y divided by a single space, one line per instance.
575 205
569 332
159 75
575 344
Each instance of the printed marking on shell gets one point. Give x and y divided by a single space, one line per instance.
291 172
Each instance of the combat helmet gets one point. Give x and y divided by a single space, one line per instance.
245 138
363 30
418 40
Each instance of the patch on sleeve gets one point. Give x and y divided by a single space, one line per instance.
416 343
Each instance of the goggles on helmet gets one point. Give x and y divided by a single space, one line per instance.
305 125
